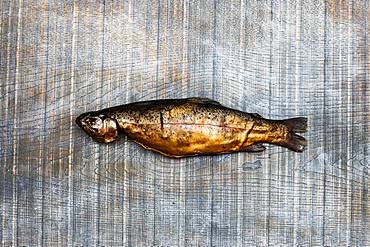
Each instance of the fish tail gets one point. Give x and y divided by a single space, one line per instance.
298 124
291 140
294 142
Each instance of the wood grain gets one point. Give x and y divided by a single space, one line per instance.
278 58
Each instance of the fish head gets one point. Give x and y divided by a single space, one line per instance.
100 127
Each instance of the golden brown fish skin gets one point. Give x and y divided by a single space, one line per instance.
194 126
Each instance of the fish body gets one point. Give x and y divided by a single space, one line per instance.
192 126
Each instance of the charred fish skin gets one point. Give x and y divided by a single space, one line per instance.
192 126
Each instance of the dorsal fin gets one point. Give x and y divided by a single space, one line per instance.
203 100
256 115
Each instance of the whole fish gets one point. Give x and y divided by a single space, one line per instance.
192 126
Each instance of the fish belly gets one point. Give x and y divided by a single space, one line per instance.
179 140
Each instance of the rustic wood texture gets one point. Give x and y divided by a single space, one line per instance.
278 58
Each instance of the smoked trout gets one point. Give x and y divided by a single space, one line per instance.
192 126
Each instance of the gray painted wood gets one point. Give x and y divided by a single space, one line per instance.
278 58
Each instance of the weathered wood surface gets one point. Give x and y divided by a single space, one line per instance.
278 58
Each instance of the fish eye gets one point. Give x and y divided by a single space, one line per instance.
95 122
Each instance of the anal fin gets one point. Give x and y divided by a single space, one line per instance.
255 148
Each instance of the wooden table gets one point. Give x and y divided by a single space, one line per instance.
278 58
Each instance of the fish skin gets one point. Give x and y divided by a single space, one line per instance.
192 126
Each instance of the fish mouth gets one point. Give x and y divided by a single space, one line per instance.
80 121
104 133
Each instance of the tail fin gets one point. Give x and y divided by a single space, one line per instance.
298 124
294 142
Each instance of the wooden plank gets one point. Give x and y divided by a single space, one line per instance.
278 58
